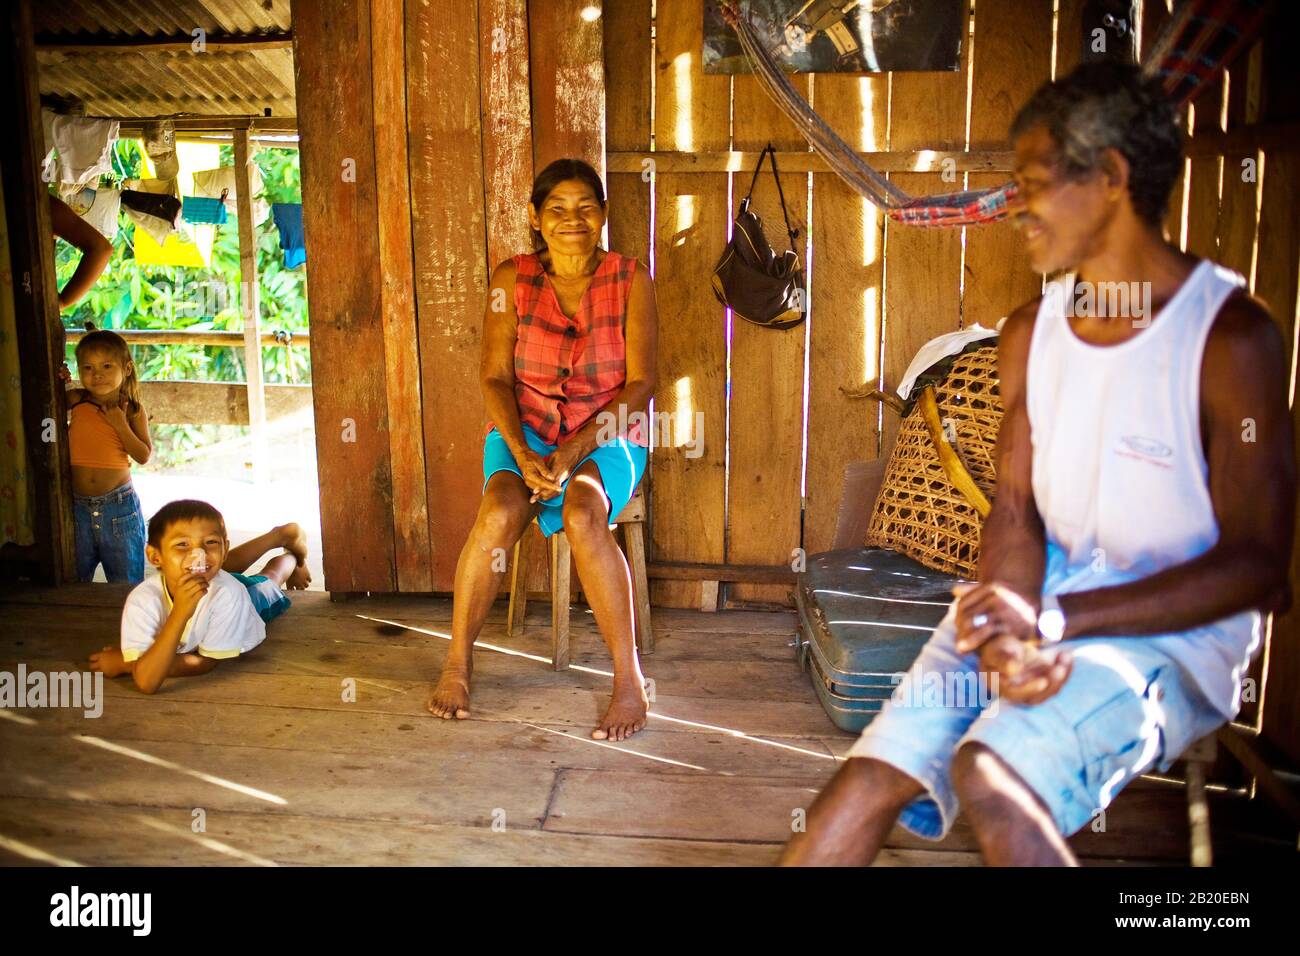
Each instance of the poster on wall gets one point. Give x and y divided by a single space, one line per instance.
842 36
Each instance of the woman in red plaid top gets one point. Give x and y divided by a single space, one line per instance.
567 373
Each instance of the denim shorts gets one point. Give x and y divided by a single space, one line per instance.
1125 707
110 531
621 464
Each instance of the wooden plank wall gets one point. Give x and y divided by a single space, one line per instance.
692 113
761 489
479 119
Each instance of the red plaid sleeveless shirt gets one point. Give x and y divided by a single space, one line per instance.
567 370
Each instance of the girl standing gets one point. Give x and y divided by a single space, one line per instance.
108 427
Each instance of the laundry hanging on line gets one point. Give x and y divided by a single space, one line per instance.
155 213
220 183
98 206
205 210
160 146
77 148
189 247
288 219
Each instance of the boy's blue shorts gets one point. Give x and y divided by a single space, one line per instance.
621 464
268 600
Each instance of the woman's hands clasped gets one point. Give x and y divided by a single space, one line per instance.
545 476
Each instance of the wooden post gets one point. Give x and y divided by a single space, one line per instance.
336 123
449 229
31 267
250 305
412 543
567 72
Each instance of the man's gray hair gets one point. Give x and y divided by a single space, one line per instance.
1111 105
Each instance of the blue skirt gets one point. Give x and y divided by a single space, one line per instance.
621 464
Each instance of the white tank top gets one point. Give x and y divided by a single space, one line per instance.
1120 477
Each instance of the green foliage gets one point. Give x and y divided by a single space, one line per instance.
131 296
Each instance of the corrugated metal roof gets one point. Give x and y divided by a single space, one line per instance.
125 81
157 18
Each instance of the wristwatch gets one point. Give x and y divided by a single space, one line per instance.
1051 621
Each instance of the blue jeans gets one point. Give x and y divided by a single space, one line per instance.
110 531
1125 707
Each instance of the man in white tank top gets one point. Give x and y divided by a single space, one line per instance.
1142 522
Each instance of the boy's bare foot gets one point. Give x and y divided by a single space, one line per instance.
298 578
294 541
626 714
450 698
110 661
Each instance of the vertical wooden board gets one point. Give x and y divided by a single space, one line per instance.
627 121
1237 225
1276 272
627 128
687 493
999 278
567 72
1239 199
1069 35
764 504
1279 236
506 124
1155 15
449 228
922 290
567 78
848 239
402 366
1203 177
1012 57
35 301
922 264
1276 279
332 60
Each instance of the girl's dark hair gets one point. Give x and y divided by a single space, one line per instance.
187 509
102 340
1112 105
558 172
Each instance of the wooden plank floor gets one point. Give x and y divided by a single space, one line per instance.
283 769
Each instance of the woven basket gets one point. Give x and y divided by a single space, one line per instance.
918 510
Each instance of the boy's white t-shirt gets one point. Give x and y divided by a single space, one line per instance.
224 624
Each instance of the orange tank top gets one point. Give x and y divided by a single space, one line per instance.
92 441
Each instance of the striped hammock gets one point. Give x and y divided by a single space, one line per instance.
1200 38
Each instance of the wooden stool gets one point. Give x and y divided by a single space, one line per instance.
631 519
1199 757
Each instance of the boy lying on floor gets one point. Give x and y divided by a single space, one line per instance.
200 609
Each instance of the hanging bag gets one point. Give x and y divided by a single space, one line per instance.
750 278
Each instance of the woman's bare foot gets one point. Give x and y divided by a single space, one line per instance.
450 697
628 706
110 661
294 541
